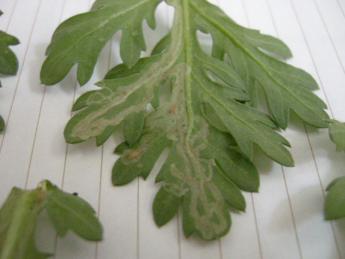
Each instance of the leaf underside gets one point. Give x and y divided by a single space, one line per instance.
19 216
204 108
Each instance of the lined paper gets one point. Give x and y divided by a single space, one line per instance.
284 220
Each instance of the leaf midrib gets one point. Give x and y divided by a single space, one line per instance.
188 45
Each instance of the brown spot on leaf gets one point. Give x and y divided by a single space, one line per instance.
41 196
172 109
134 154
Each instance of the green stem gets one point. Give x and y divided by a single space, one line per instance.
23 222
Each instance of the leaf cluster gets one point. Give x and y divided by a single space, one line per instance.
19 217
210 110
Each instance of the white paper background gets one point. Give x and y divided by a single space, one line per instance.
284 220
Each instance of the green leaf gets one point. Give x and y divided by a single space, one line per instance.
165 206
140 159
2 124
337 134
80 39
249 128
19 217
133 127
268 43
230 191
121 148
286 88
234 166
69 212
8 60
335 200
201 108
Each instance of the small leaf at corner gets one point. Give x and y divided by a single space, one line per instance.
335 200
337 134
69 212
